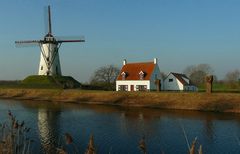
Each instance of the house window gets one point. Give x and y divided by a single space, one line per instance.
170 80
41 67
141 75
123 88
123 75
141 87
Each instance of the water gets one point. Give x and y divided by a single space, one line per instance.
119 129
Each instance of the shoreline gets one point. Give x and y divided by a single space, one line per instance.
215 102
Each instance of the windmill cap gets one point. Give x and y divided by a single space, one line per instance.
49 35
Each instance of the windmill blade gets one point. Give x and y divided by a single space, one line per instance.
70 39
27 43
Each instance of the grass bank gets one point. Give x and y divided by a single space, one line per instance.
216 102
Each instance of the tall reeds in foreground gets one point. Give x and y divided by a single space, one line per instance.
193 147
142 145
69 146
14 137
91 147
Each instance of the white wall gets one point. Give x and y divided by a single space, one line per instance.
151 85
132 82
174 85
48 50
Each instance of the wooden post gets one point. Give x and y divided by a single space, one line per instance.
209 81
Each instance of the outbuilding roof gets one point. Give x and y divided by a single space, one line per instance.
180 78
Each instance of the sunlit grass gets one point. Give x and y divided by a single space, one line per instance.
218 102
221 87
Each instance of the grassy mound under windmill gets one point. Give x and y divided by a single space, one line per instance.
42 81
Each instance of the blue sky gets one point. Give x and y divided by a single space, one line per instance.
178 32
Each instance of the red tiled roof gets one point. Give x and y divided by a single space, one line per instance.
133 69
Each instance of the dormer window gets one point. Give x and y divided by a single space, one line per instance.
124 74
141 75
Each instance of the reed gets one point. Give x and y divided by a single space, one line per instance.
91 146
14 137
193 147
142 145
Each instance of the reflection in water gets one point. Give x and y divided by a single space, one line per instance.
119 129
48 129
209 128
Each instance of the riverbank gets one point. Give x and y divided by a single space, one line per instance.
215 102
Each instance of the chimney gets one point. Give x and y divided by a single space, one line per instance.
124 62
155 60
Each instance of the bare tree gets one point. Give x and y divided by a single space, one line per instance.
197 73
163 75
232 78
105 76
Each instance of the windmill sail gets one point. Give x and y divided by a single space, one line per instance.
49 20
28 41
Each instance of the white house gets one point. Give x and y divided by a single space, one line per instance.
178 82
142 76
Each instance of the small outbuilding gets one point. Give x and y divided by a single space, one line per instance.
141 76
178 82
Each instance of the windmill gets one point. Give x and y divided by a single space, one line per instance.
49 59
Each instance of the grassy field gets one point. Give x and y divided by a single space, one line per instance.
42 82
217 102
222 87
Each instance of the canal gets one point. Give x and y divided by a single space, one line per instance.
119 129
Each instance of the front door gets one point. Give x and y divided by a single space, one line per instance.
132 87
